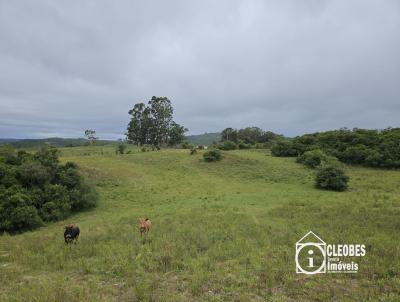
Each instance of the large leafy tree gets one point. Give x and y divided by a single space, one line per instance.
229 134
153 124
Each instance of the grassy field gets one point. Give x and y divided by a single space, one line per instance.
222 231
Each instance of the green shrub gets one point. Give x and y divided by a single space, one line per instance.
33 173
331 178
56 203
37 188
315 158
243 145
354 154
68 176
212 155
120 149
17 213
83 196
374 159
284 148
48 157
186 145
376 148
193 151
8 175
227 145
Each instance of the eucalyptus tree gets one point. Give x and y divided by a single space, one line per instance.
91 136
153 124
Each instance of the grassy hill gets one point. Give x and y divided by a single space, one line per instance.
222 231
203 139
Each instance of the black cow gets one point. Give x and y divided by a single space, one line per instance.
71 233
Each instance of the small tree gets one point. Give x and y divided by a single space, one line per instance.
331 178
91 136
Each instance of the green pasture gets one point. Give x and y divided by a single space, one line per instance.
223 231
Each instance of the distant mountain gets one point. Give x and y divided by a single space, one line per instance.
7 140
200 139
52 141
204 139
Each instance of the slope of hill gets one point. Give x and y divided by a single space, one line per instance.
224 231
203 139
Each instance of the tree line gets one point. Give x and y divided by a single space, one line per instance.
373 148
245 138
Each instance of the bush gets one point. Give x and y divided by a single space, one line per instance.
17 213
36 188
83 197
374 159
331 178
120 149
376 148
48 157
212 155
227 145
7 175
56 203
284 148
33 173
315 158
243 145
186 145
193 151
354 154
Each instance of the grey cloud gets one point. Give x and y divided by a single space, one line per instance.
286 66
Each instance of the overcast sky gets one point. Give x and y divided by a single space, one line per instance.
287 66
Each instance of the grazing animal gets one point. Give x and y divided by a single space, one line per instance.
144 226
71 233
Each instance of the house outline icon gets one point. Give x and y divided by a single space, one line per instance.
318 243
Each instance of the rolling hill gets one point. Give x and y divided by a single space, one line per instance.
222 231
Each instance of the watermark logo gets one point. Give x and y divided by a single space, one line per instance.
315 256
